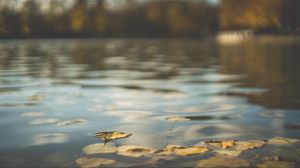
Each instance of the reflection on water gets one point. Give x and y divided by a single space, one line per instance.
56 94
273 66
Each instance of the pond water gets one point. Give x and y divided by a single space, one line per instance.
56 94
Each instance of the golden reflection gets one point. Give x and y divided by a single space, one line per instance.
270 65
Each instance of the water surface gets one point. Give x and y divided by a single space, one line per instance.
242 92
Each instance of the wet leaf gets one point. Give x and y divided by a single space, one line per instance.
71 122
135 151
227 144
229 152
177 118
223 161
280 141
186 151
216 144
245 145
221 144
32 114
172 147
169 149
85 162
276 164
182 150
98 148
108 136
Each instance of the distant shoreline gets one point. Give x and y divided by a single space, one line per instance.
261 37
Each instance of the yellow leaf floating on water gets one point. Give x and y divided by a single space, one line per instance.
186 151
108 136
135 151
280 141
223 161
227 144
98 148
245 145
177 118
276 164
221 144
183 151
85 162
172 147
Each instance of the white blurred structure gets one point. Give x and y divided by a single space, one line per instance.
235 36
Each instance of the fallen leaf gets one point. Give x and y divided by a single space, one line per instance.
135 151
71 122
85 162
98 148
169 149
108 136
223 161
32 114
177 118
221 144
280 141
227 144
276 164
172 147
229 152
245 145
164 152
186 151
182 150
216 144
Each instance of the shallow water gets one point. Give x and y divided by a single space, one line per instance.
242 92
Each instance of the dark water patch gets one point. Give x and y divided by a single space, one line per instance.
292 126
204 117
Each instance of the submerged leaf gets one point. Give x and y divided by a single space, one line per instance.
186 151
177 118
135 151
98 148
280 141
245 145
169 149
223 161
276 164
108 136
229 152
85 162
183 151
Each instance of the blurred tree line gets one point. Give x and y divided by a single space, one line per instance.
266 16
92 18
147 18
